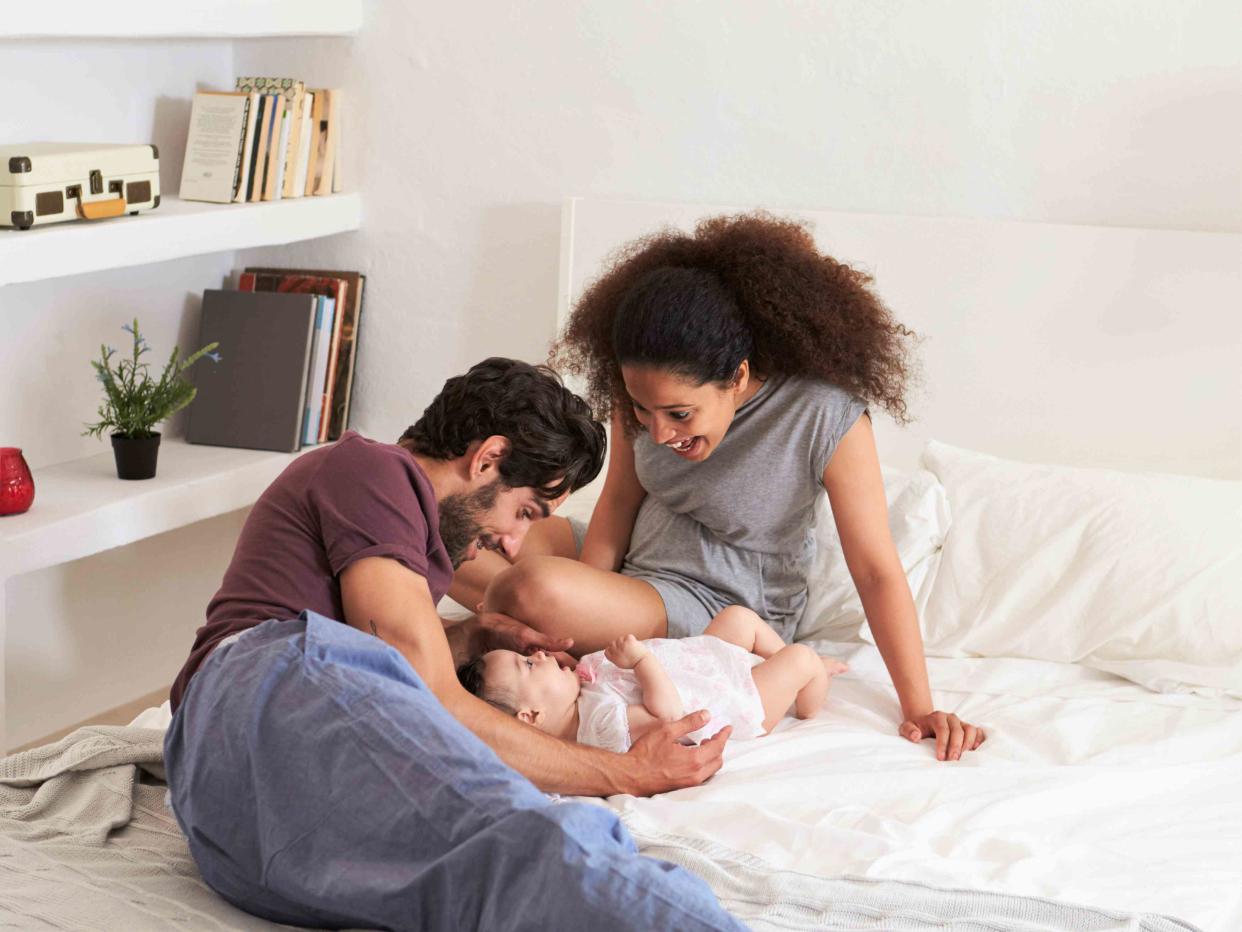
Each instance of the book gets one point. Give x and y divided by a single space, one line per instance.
261 147
335 288
247 172
306 133
327 163
339 125
291 91
314 415
254 396
278 190
273 147
347 358
317 140
214 146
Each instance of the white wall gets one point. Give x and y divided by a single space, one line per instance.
470 122
467 124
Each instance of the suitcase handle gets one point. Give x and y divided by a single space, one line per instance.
101 210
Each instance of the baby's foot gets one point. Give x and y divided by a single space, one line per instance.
833 666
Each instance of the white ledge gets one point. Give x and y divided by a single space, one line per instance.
173 230
81 508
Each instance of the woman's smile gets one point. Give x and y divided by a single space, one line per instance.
688 447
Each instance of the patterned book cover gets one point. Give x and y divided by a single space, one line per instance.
335 288
292 91
347 359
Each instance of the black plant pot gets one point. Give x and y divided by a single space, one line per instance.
135 456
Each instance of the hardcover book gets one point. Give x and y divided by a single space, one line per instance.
254 396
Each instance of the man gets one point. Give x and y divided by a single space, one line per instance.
331 774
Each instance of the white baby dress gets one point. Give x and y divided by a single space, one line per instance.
709 674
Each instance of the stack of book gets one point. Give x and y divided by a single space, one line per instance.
289 346
271 138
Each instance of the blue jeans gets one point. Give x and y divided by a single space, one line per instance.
321 783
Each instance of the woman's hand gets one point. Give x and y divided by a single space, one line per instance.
953 736
497 631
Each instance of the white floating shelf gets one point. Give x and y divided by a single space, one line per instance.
173 230
201 19
81 508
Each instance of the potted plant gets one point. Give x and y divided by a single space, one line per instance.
134 402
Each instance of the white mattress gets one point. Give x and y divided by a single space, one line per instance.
1089 789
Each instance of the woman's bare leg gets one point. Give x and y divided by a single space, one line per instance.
795 675
741 626
568 599
552 536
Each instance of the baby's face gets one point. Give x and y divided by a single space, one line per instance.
535 682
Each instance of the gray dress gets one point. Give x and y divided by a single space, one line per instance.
737 528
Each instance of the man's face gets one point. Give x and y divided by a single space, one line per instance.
493 517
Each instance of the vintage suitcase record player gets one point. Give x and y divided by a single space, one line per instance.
46 182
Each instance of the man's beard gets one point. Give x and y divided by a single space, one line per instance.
460 516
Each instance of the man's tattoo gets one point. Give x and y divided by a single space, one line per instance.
374 630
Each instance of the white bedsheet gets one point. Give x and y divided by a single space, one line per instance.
1089 789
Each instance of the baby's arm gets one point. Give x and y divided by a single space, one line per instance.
660 696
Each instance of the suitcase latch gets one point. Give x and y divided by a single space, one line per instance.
96 181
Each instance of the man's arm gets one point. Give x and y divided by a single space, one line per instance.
386 599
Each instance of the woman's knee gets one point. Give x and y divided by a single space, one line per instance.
529 589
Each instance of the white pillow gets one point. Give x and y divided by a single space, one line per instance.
1136 575
918 517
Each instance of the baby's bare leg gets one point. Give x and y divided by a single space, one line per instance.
795 675
739 625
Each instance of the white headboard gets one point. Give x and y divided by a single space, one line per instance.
1094 346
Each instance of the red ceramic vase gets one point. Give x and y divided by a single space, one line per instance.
16 483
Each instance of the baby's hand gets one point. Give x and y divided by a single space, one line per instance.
626 652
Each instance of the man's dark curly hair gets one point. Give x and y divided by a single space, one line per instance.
740 287
555 445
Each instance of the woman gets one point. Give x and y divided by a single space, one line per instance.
734 364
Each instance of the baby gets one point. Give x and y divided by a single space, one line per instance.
739 670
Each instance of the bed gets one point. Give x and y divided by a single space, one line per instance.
1087 614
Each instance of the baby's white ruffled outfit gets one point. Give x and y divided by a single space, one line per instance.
709 674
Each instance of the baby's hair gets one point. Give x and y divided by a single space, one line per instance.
470 675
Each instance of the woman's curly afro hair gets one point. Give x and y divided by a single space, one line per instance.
740 287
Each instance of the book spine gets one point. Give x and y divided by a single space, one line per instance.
306 133
273 146
310 419
282 156
259 164
334 348
239 162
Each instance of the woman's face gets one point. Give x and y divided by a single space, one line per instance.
689 419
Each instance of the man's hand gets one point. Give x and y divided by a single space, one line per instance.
660 764
497 631
626 651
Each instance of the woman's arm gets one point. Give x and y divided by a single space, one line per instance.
855 489
608 536
660 696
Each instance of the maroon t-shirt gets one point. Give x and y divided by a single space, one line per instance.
353 499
